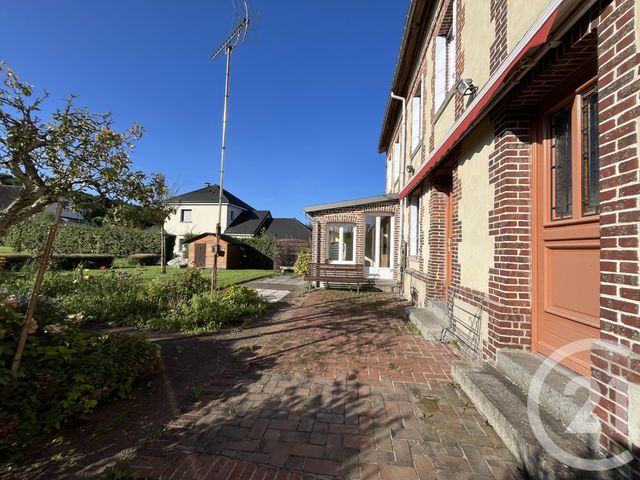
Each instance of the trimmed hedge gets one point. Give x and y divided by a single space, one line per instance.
144 259
31 235
62 262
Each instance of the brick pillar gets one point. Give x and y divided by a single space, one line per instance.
498 50
509 301
436 239
619 107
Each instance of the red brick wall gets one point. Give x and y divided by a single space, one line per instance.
509 302
498 50
619 107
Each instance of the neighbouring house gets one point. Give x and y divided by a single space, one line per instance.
201 247
8 193
511 140
196 213
363 231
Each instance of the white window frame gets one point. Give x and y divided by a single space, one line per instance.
341 227
414 225
445 65
389 173
182 212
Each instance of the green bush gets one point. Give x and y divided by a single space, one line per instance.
301 267
258 251
207 313
63 376
143 259
74 239
70 261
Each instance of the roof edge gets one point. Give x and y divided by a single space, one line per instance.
387 197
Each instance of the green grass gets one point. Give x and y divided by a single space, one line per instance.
7 250
225 277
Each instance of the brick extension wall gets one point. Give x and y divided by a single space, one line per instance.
355 215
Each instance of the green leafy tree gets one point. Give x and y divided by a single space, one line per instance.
73 151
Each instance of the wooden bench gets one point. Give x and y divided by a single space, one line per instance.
331 273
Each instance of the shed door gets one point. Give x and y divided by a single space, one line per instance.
200 254
567 282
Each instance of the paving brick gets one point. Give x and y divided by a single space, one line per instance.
349 415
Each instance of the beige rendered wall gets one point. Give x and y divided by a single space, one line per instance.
476 250
521 15
476 39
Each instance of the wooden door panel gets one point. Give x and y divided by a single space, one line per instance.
570 271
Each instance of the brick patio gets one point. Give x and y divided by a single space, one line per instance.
337 385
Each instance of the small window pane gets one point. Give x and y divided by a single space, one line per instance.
561 164
385 242
185 215
334 243
347 239
590 155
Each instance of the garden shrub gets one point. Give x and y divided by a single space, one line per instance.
143 259
63 376
207 313
258 251
301 267
69 261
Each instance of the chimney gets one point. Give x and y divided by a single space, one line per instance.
207 184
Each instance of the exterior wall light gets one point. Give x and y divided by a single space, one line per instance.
466 87
410 169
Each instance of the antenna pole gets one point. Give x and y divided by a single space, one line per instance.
227 46
214 272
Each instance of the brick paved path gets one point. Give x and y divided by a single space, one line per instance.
336 386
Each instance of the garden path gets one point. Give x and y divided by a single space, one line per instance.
336 385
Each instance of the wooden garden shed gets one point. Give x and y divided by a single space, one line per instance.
200 251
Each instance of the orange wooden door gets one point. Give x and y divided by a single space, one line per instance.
567 249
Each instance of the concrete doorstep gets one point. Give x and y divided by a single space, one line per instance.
499 395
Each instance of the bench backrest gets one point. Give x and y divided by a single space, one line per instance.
334 270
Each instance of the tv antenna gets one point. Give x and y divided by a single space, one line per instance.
238 35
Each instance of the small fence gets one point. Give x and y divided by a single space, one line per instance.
286 252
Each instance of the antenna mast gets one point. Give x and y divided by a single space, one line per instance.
239 34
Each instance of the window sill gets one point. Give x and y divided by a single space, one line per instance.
444 105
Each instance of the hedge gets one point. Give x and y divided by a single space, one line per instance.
144 259
63 262
74 239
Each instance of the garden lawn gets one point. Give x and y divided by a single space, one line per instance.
226 278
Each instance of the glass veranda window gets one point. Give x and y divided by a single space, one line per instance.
341 243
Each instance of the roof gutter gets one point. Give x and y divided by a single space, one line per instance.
535 37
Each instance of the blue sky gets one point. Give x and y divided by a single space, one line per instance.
308 89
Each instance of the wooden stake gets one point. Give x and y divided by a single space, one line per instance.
35 293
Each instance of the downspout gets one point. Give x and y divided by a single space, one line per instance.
404 200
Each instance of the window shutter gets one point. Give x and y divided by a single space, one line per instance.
413 227
441 70
451 50
396 161
416 123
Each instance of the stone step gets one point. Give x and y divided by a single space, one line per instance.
383 285
504 406
428 322
563 393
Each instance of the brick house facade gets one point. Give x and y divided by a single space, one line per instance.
521 190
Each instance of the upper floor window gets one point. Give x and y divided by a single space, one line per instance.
389 172
416 118
185 216
396 161
445 71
